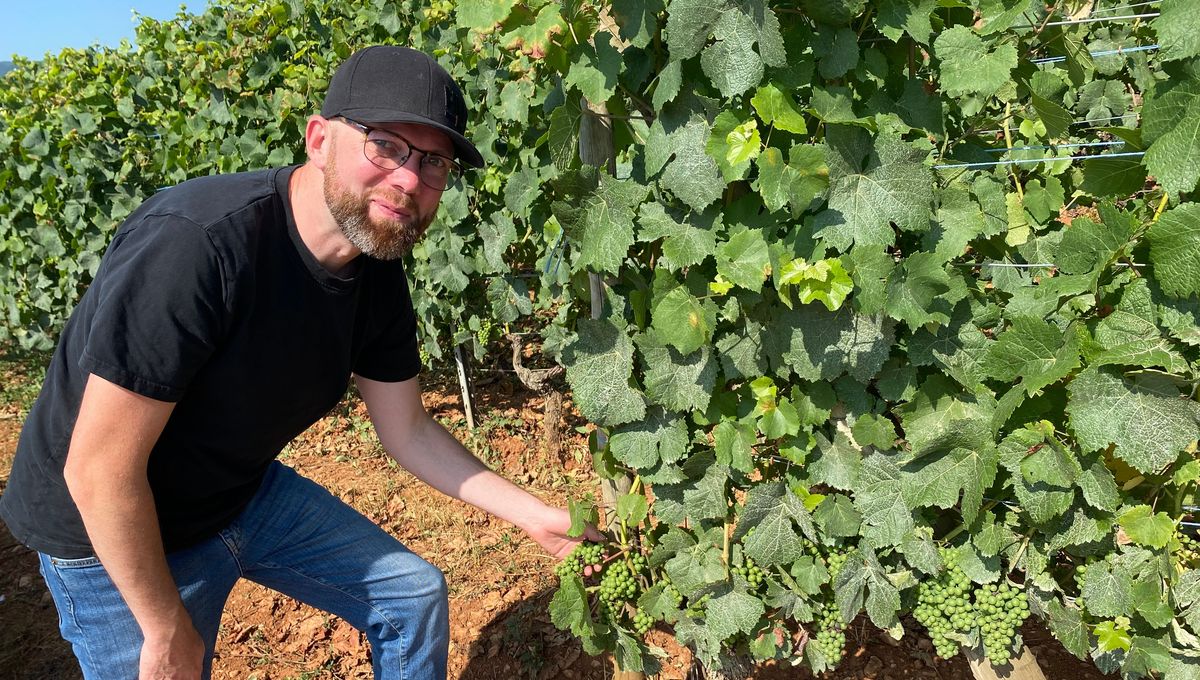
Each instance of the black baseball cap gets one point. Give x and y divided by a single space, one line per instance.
391 84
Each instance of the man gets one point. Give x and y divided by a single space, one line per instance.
226 318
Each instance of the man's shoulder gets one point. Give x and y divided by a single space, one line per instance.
214 199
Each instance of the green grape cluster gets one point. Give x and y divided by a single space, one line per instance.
835 560
944 606
584 555
484 334
671 591
830 639
618 585
952 604
1000 610
1189 551
1080 574
642 622
750 571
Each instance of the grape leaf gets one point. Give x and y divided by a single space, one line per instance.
731 62
1036 352
824 345
916 291
509 297
707 499
1145 416
897 17
745 260
937 480
777 108
795 183
1178 29
696 567
1175 250
682 321
1068 626
734 612
879 497
941 418
835 464
1171 127
595 69
734 444
872 183
774 511
598 215
836 51
1087 245
679 382
685 243
692 175
599 364
970 65
1107 590
569 607
1146 527
836 516
638 20
643 444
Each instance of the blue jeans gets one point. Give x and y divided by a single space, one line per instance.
294 537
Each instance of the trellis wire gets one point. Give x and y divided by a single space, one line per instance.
1101 53
1113 9
1019 161
1055 146
1092 20
1035 265
1085 121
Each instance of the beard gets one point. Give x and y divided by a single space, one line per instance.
382 239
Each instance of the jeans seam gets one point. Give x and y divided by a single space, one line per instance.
382 615
232 553
78 629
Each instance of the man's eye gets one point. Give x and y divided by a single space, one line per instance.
437 162
386 147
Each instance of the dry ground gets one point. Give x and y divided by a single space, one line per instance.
500 583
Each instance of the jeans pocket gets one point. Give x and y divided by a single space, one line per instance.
76 563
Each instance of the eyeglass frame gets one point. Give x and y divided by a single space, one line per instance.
456 168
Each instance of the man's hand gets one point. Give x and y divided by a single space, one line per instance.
175 653
549 529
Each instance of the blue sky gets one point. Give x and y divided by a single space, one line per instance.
50 25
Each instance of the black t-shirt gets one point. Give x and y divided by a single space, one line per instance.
208 297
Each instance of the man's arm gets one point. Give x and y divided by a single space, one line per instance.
106 475
424 448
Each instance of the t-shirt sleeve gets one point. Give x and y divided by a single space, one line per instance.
160 308
391 353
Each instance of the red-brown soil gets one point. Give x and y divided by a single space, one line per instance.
500 582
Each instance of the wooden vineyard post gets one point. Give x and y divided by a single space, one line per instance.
596 149
1024 666
462 364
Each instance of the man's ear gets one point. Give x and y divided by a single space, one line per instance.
318 140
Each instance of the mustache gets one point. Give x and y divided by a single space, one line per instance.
396 200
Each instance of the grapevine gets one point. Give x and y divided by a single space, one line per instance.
867 275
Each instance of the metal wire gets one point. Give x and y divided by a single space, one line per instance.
1113 9
1101 53
1078 122
1055 146
1035 265
1020 161
1092 20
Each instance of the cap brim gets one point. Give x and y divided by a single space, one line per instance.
464 150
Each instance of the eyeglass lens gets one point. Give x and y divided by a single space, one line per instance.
390 152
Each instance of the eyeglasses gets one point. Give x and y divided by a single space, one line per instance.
388 151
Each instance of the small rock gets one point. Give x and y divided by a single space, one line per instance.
874 665
25 581
47 600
